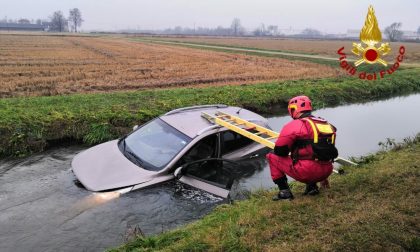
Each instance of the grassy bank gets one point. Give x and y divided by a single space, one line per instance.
30 125
374 207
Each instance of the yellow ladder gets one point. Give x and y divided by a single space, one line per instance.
253 131
248 129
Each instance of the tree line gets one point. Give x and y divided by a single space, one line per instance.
392 32
235 29
57 22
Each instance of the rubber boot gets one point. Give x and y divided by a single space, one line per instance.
311 189
284 190
285 194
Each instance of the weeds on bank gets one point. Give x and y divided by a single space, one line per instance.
388 145
32 124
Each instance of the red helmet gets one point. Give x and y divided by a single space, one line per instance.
299 104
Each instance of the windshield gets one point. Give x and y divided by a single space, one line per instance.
153 145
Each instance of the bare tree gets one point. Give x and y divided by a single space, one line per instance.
257 32
393 31
260 30
311 33
58 22
24 21
178 30
418 30
273 30
75 18
236 26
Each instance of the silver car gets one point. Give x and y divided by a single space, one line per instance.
179 144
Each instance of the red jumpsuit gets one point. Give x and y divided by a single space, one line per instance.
306 169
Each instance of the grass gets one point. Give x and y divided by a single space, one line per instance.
32 124
374 207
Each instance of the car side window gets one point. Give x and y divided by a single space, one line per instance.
232 141
215 172
205 148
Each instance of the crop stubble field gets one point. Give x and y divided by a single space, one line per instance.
52 65
317 47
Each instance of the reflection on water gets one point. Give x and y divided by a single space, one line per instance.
41 208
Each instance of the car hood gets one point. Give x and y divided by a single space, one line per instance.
104 167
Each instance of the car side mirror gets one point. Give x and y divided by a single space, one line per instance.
135 127
178 172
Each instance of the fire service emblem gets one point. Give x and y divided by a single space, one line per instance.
367 51
370 36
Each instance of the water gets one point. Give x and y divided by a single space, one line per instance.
360 128
42 209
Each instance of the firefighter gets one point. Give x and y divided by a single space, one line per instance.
305 150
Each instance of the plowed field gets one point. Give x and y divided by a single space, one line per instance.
316 47
51 65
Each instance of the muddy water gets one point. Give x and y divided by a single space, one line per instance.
43 209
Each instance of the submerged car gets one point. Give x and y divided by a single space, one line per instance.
163 148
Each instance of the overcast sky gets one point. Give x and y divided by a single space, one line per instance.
334 16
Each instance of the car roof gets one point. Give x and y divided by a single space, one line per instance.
190 122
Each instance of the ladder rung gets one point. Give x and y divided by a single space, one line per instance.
254 136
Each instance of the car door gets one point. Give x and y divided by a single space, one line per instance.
235 146
202 168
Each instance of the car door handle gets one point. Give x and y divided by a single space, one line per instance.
254 156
